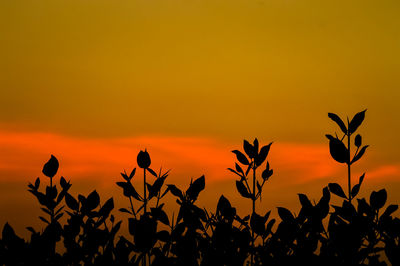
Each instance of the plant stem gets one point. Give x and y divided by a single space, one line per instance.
348 167
254 210
144 188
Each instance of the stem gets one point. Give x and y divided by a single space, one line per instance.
348 167
254 210
144 188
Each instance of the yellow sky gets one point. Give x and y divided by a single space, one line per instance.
204 69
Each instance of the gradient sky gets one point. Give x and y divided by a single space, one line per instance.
93 82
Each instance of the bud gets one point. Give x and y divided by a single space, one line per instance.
143 159
51 167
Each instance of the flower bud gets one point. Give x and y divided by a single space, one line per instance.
143 159
51 167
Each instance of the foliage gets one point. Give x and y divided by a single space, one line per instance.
358 232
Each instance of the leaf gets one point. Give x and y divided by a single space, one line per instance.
44 220
175 191
355 190
356 121
129 190
338 121
338 150
160 215
390 209
248 149
37 183
239 169
360 180
266 174
151 171
269 225
259 187
336 189
263 154
242 190
257 224
285 214
359 154
107 207
224 207
195 188
358 141
92 201
8 234
255 146
304 201
51 167
132 173
378 199
241 157
125 210
233 171
71 202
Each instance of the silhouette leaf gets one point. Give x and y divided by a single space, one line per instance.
242 189
336 189
125 210
257 224
239 169
355 190
151 171
248 149
129 190
44 220
241 157
107 207
378 199
51 167
195 188
338 150
285 214
359 154
223 205
269 225
358 140
356 121
338 121
132 174
390 209
305 202
92 201
175 191
263 154
71 202
8 233
267 173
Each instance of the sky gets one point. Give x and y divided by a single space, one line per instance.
95 82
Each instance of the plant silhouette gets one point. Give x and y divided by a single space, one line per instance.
358 231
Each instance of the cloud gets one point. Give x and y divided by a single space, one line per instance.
22 155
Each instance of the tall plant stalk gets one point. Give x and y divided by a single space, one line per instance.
342 153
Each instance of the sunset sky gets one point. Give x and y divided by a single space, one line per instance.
94 82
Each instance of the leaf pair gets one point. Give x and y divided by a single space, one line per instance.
352 125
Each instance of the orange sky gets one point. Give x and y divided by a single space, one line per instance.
93 82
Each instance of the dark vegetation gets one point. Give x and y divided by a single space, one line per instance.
357 232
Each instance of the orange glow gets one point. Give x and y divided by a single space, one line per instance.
188 157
